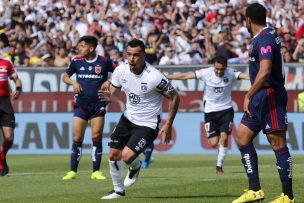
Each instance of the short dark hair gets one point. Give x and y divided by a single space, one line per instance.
136 43
221 60
257 13
90 40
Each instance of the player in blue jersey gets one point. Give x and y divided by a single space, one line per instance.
91 75
264 108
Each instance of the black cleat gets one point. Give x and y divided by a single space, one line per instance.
219 170
5 170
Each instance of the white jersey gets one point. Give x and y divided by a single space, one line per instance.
143 93
217 91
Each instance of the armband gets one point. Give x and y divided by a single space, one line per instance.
18 89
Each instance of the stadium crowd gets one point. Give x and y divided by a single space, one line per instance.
37 33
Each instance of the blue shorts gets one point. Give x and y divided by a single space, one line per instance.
268 110
91 110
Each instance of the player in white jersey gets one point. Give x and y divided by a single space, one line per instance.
217 103
137 128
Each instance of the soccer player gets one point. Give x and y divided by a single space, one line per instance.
7 115
138 126
218 108
91 75
264 107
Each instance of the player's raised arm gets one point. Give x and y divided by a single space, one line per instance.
181 76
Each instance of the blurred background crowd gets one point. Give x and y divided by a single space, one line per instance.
35 33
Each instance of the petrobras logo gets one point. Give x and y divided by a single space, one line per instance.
266 50
89 76
98 69
248 165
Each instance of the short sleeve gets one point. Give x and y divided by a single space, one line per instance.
71 69
266 47
202 74
116 76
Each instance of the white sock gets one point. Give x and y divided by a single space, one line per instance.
221 155
135 163
117 172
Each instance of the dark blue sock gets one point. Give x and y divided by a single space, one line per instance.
284 166
250 162
76 155
96 153
148 152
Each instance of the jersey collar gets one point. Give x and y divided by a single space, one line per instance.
260 32
91 61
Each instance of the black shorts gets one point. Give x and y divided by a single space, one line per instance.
7 117
217 122
136 137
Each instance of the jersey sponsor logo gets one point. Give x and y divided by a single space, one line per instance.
98 69
89 76
82 68
162 84
134 99
144 87
265 50
218 89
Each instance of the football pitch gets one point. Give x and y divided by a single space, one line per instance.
170 178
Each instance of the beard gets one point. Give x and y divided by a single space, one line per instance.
249 30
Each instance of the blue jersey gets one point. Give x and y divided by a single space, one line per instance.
90 75
267 45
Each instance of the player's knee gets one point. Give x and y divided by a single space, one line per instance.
213 145
114 155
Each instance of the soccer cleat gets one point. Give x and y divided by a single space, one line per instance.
250 196
5 169
97 175
219 170
131 177
283 199
69 176
114 195
145 164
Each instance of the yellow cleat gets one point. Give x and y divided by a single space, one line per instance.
250 196
283 199
69 176
97 175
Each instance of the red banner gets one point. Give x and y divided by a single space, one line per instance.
63 102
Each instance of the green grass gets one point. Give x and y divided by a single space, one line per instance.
171 178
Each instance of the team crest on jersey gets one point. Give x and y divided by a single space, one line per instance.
98 69
144 86
134 99
226 80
